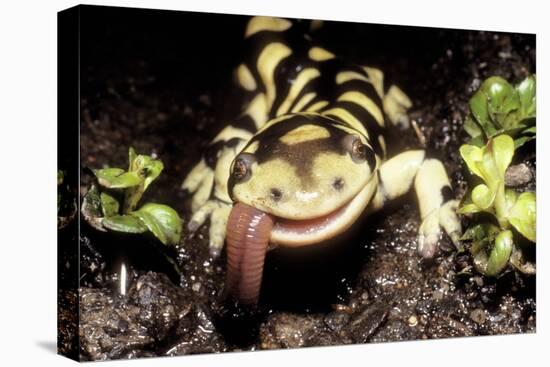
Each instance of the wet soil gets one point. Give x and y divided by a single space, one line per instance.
164 91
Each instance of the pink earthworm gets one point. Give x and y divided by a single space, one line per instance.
248 233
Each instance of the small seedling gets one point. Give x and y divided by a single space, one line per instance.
111 205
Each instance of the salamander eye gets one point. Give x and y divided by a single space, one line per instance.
355 147
242 166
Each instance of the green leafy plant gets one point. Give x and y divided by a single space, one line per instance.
497 108
502 119
493 241
112 204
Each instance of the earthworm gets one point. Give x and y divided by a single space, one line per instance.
248 233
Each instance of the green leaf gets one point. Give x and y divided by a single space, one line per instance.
116 178
108 173
525 135
109 205
523 215
467 206
131 158
478 141
124 223
502 149
469 209
526 91
480 231
471 233
162 220
484 240
500 254
518 142
482 196
488 167
472 155
480 111
489 163
502 99
481 236
149 169
145 166
472 128
480 258
511 197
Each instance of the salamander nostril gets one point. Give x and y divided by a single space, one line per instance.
276 194
338 183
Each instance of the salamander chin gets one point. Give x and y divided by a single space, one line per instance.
296 233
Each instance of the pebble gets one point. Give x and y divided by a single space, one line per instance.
518 175
412 321
196 287
478 316
437 295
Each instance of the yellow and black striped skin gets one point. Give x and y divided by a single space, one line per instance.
292 152
286 73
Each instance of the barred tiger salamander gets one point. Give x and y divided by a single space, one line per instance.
307 157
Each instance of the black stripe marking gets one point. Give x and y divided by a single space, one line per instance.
363 87
245 122
213 150
366 119
289 68
446 193
310 86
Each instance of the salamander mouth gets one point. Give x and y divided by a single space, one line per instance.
295 233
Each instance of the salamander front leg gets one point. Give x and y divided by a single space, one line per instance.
210 199
437 209
432 187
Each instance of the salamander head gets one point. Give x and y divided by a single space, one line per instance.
314 174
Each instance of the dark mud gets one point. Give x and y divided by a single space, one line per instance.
157 87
